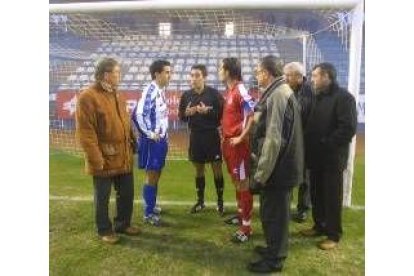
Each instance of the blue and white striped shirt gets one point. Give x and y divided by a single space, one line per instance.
150 116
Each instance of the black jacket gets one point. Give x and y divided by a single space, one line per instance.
304 97
210 97
277 139
330 127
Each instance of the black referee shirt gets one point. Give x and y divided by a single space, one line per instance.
210 97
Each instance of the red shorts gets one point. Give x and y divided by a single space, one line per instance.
237 159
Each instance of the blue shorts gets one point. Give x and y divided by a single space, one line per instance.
151 154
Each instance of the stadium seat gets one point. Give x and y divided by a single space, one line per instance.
127 62
128 77
212 77
72 78
175 77
84 78
178 68
137 52
147 61
202 61
133 69
247 69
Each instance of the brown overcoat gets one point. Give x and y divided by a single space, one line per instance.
103 129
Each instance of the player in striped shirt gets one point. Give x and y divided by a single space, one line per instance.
150 117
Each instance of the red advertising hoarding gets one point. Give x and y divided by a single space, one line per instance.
66 103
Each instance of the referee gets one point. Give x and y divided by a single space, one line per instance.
201 108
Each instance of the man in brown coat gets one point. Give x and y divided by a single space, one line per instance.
104 131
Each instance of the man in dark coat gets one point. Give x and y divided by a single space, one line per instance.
276 161
329 131
295 76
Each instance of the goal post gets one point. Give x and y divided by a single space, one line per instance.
355 57
110 6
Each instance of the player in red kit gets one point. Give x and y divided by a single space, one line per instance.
236 123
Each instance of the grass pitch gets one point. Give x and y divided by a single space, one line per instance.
190 244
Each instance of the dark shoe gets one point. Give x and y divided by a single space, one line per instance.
261 250
233 220
264 266
327 244
220 208
311 233
110 238
198 207
299 217
130 231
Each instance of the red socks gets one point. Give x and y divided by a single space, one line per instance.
246 206
239 208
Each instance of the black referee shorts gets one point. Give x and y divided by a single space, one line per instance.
204 146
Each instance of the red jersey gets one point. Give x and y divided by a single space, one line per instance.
238 106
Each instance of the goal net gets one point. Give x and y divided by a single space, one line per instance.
80 34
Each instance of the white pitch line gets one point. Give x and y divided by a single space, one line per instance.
167 202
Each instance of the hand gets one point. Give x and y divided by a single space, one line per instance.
98 166
235 141
203 109
190 111
155 137
255 187
253 157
